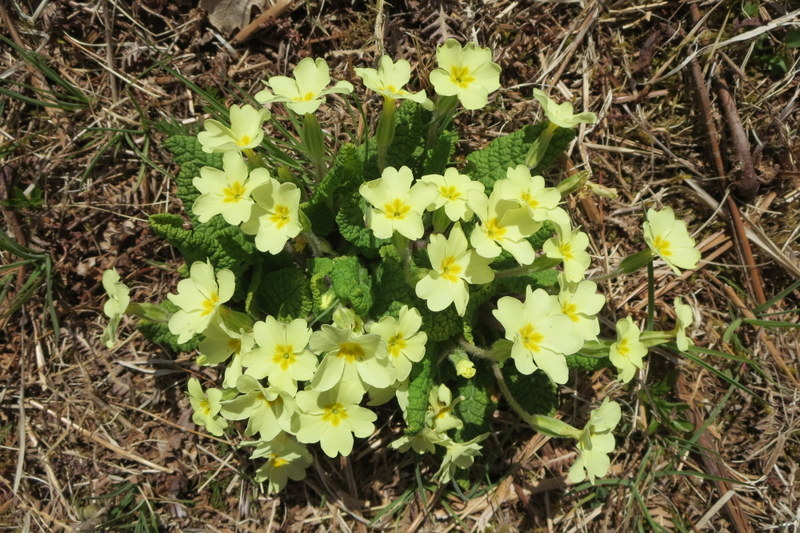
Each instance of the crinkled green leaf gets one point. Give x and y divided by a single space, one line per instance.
189 154
477 406
419 385
579 361
350 220
440 325
342 180
352 283
545 232
535 393
537 280
392 290
345 172
440 154
479 295
319 267
216 240
284 294
158 331
411 129
491 163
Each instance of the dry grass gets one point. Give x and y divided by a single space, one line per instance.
91 436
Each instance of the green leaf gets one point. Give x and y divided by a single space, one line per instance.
319 267
580 361
419 385
440 325
491 163
558 144
352 283
350 220
345 172
535 393
792 38
479 295
343 179
189 154
547 230
216 240
438 157
392 291
284 294
537 280
408 145
158 331
477 406
750 9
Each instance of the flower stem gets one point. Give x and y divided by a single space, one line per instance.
401 246
543 424
474 350
385 132
539 147
651 294
445 108
312 139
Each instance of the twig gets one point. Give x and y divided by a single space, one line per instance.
108 23
380 27
261 21
712 464
734 218
747 184
593 13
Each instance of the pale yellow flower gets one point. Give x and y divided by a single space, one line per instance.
669 239
467 73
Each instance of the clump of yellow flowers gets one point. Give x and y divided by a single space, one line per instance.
395 272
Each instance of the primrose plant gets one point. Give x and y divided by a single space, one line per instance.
390 271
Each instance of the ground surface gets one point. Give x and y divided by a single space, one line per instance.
93 438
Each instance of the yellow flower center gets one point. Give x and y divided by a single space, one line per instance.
449 192
662 246
244 140
391 89
450 269
334 414
305 98
235 345
276 461
461 76
280 216
209 304
571 310
205 407
351 351
443 412
530 338
623 348
233 193
566 251
396 344
396 210
493 230
283 356
532 202
263 398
